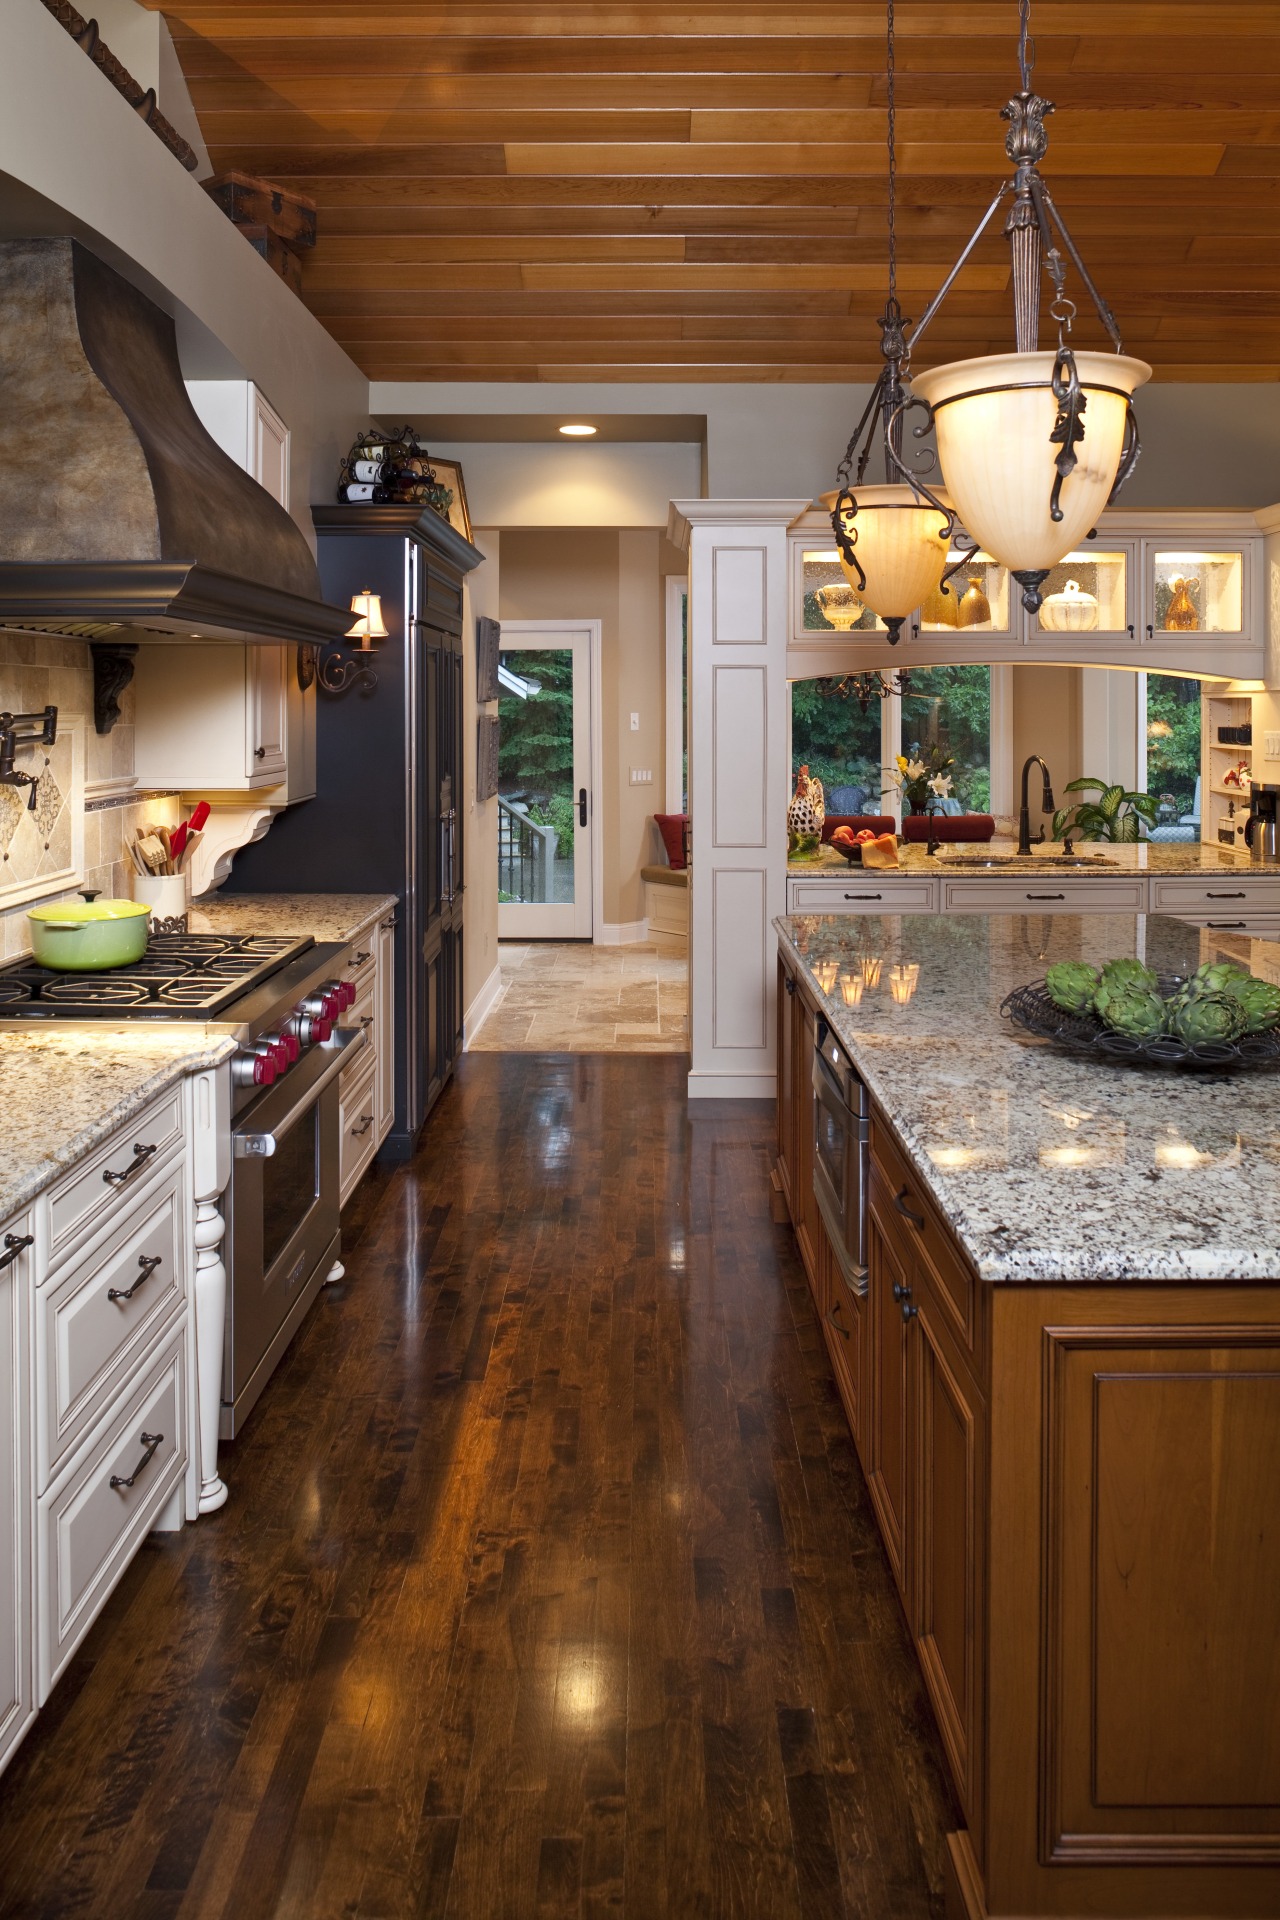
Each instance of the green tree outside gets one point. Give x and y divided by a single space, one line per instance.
1173 741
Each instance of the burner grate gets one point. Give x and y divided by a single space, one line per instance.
181 974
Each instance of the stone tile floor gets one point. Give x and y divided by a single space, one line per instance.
572 997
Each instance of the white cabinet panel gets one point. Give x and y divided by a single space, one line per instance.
1221 895
860 892
1047 894
385 1027
267 713
739 576
358 1119
740 720
739 1012
17 1663
103 1186
92 1520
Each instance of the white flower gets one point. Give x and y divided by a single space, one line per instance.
915 769
941 785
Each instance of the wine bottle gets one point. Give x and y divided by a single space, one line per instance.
368 472
363 492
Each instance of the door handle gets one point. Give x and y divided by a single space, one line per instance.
147 1265
582 806
1210 895
14 1244
1046 896
150 1442
909 1213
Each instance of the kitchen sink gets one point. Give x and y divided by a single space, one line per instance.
1025 861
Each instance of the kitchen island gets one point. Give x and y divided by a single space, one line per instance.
1062 1374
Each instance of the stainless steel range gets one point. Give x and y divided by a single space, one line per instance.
281 1000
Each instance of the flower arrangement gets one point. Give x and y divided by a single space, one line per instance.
921 780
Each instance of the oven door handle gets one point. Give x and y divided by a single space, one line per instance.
260 1146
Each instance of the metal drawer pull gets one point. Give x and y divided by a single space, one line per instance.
1222 926
387 925
141 1155
1046 896
150 1441
365 1122
148 1265
916 1219
366 1022
1239 894
791 985
357 960
864 896
831 1317
14 1244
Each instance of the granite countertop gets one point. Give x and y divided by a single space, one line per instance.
1162 857
65 1089
325 916
1047 1167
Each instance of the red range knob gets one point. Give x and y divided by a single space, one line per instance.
346 996
322 1029
291 1044
279 1054
264 1070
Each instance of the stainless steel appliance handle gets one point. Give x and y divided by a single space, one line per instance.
260 1146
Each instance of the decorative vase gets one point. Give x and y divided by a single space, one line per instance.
839 605
1182 616
1071 611
975 608
941 608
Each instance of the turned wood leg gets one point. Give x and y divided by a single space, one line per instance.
211 1317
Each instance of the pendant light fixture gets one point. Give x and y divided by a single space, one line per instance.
1033 445
892 539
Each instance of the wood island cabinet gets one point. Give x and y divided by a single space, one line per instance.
1075 1485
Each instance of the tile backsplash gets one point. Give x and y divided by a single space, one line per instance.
86 810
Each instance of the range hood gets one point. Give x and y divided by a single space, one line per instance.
120 519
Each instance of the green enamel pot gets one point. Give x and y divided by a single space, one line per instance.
88 935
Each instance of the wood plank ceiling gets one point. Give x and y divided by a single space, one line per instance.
697 192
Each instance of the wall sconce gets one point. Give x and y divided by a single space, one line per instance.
336 674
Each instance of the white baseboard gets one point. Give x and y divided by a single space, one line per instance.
622 933
733 1086
481 1007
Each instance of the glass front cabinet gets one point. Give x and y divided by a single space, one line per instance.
1153 590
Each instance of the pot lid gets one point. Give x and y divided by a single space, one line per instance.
87 911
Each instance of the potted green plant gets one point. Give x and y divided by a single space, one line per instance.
1115 815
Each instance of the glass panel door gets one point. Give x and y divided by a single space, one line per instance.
1196 591
545 805
1085 594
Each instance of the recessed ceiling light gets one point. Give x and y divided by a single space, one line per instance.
577 431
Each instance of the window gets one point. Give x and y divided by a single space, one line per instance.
840 744
950 708
1171 727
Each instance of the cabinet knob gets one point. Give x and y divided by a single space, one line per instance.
259 753
900 1292
908 1311
791 985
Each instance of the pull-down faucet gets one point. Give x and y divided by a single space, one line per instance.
1046 802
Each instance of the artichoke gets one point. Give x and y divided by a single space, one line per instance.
1201 1017
1127 973
1130 1008
1071 985
1217 975
1257 999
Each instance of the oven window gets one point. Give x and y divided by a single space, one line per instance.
290 1184
829 1146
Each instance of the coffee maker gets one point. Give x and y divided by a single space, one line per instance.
1262 828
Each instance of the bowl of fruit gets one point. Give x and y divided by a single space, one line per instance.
850 844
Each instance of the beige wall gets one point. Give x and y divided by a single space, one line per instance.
1046 720
612 577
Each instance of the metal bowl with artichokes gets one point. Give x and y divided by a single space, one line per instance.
1221 1016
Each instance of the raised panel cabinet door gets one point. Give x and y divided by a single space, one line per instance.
886 1449
267 714
17 1652
843 1325
385 1018
946 1548
804 1207
433 1050
788 1091
269 448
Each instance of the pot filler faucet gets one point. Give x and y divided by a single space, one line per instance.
1046 802
44 733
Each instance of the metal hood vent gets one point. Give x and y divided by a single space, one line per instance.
119 517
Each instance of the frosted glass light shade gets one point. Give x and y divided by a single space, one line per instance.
993 419
901 544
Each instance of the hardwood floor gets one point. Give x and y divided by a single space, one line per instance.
548 1584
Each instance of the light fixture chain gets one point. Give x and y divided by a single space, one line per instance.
893 156
1026 47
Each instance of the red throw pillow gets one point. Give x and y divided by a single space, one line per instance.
949 826
672 828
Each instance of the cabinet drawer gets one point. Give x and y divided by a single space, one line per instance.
1045 894
863 893
88 1344
1223 897
910 1216
358 1119
88 1530
114 1174
364 1015
361 963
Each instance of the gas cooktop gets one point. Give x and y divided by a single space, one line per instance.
182 976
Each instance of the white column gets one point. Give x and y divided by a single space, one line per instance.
738 784
209 1117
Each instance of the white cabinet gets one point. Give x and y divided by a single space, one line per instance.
211 718
17 1675
863 893
385 1091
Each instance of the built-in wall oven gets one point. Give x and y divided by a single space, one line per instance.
841 1149
282 1210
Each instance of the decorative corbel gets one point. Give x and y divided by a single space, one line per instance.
112 672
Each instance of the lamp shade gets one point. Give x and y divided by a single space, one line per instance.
368 624
994 417
901 545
